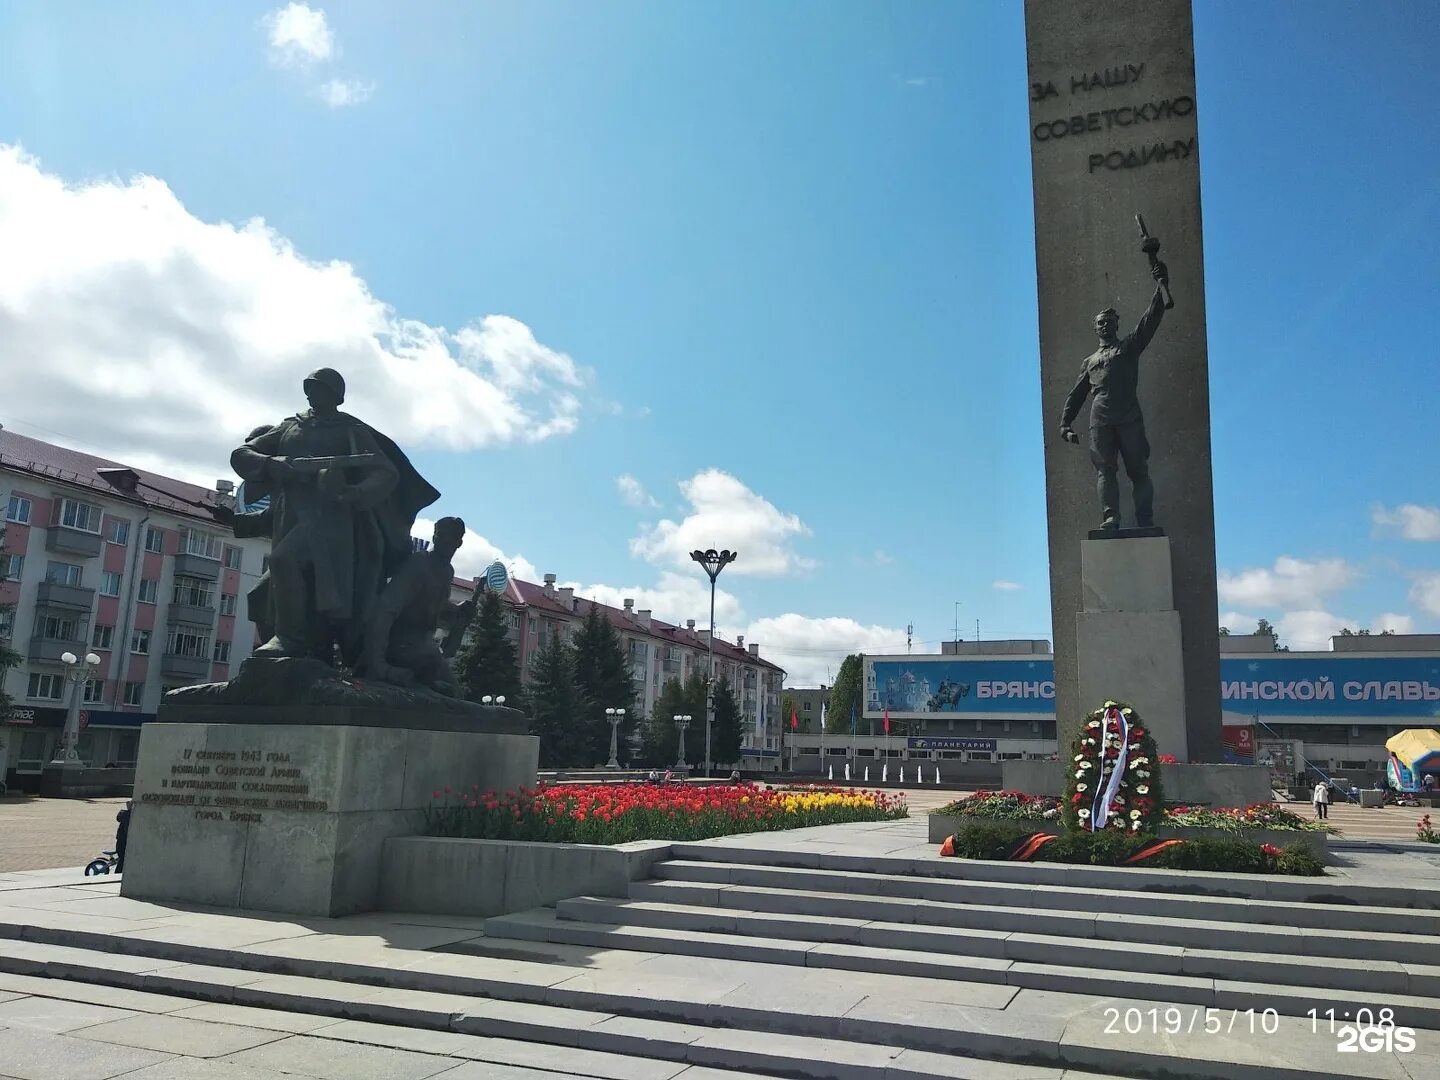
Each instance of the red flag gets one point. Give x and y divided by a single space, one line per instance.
794 719
887 719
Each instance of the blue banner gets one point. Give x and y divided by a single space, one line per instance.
946 742
1362 686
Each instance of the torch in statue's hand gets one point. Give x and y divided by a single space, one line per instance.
1150 245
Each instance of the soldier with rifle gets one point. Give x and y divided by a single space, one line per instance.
343 501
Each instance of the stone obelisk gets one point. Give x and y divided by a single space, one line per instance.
1113 134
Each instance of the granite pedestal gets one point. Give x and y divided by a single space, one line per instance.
1127 638
293 818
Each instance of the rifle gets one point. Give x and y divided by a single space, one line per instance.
313 465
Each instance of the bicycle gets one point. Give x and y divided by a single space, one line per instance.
103 865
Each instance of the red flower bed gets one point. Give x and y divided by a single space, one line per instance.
619 813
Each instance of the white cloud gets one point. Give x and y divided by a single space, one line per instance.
299 36
1293 583
674 599
633 492
172 337
1238 623
476 554
1004 586
1393 621
884 558
1310 630
341 93
1425 593
809 648
1410 521
726 514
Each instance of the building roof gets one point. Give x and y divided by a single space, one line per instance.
534 596
47 461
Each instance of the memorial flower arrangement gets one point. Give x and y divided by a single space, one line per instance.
1113 778
620 813
1018 806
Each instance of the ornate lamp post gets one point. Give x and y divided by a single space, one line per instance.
682 722
67 754
616 718
713 562
488 699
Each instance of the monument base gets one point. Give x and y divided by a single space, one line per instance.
291 818
1193 785
1127 639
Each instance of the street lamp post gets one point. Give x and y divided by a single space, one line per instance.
712 562
681 722
67 754
489 699
616 718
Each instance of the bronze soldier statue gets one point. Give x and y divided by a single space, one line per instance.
1109 376
343 499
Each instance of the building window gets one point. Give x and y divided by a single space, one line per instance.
134 691
183 641
57 628
46 687
140 642
194 591
154 539
7 623
11 566
149 591
129 750
204 544
227 604
222 652
63 573
85 517
110 583
94 691
19 510
119 532
102 636
232 557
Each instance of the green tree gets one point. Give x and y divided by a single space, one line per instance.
660 740
557 706
1224 631
486 662
602 671
1345 631
726 734
1264 629
844 695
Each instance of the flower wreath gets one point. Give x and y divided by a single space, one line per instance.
1113 781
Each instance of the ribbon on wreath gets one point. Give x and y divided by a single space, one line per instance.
1107 787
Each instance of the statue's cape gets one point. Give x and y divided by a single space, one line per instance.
396 515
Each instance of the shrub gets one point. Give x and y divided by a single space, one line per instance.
1298 859
1426 832
1006 805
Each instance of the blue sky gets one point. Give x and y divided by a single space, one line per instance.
772 262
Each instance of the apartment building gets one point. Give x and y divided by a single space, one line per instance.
99 557
657 651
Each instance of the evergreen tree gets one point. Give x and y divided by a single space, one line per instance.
727 733
602 671
844 694
486 662
661 739
556 705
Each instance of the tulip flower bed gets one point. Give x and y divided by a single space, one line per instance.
621 813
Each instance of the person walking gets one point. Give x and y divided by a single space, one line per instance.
1321 799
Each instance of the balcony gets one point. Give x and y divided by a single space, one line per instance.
197 566
185 667
670 666
190 614
74 597
49 650
73 541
